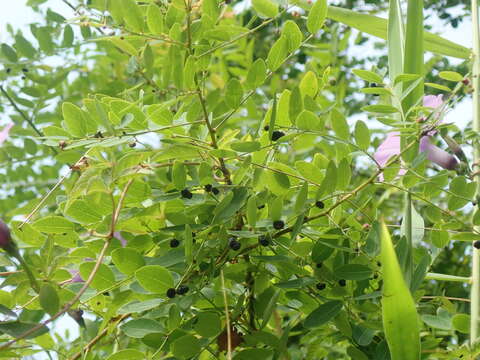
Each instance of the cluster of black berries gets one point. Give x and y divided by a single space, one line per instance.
210 188
181 290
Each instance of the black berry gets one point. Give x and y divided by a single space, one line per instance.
319 265
261 206
8 70
278 224
373 85
379 263
263 240
182 289
186 194
171 293
266 127
24 77
476 244
215 191
321 286
319 204
132 144
5 237
375 276
208 187
174 243
466 81
235 245
342 282
25 70
277 135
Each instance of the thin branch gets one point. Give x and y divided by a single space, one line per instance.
227 317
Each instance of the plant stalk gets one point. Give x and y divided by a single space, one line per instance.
475 287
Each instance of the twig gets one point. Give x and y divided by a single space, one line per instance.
227 317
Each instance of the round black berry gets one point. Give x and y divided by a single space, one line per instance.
235 245
186 194
132 144
182 289
8 70
266 127
25 70
208 187
261 206
476 244
215 191
319 204
277 135
375 276
278 224
171 293
342 282
24 77
263 240
321 286
174 243
319 265
379 263
373 85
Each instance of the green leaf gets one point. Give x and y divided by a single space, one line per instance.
127 354
127 260
323 314
17 328
252 211
74 119
103 278
140 306
400 319
179 175
362 135
368 76
339 124
245 146
138 328
377 26
270 306
186 346
293 34
234 93
278 53
316 16
461 323
265 8
9 53
53 225
353 272
450 76
155 19
207 324
49 299
309 84
24 46
132 15
256 74
301 198
154 278
380 109
83 212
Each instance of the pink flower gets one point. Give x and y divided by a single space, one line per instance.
119 236
75 276
391 146
4 133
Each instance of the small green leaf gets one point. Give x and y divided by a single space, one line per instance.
362 135
381 109
207 324
53 225
353 272
450 76
256 74
277 53
186 346
49 299
317 15
234 93
74 119
293 34
252 211
104 277
17 328
265 8
461 323
155 19
127 354
9 53
368 76
138 328
179 175
245 146
127 260
323 314
309 84
132 15
154 278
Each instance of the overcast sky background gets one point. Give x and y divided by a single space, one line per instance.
19 16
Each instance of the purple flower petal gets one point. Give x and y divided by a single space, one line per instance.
437 155
119 236
75 276
390 147
433 101
4 133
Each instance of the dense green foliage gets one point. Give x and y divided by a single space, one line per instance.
187 175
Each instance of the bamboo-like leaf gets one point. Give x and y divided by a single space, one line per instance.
413 61
377 26
400 319
395 41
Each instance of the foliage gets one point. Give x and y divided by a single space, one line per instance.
185 180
